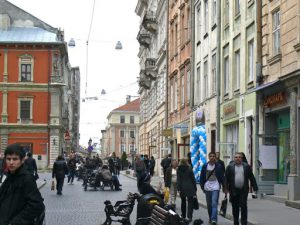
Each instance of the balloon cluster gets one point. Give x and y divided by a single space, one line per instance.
198 149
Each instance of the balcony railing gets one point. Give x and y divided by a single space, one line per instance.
150 68
149 22
144 38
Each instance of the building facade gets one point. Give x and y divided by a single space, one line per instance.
152 81
239 60
278 105
34 75
122 132
179 76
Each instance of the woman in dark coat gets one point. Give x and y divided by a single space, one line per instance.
186 185
20 199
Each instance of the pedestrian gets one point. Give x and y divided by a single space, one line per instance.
147 163
220 161
71 168
140 167
118 165
2 165
171 182
20 200
152 165
165 164
189 156
59 171
111 163
211 180
186 184
237 177
30 164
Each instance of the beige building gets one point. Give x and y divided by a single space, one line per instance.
122 132
278 105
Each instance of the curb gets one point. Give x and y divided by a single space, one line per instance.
42 184
201 204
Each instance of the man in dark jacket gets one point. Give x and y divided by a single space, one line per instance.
59 171
237 177
165 164
71 167
20 199
30 164
211 180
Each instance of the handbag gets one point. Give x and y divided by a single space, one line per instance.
195 202
166 194
53 185
223 208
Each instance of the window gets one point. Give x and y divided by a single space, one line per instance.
276 33
237 65
122 119
25 109
213 73
176 39
131 134
206 16
175 94
188 37
182 91
132 119
226 12
171 96
198 23
122 147
198 83
25 72
188 85
237 7
250 61
226 75
205 81
182 30
214 12
26 68
122 133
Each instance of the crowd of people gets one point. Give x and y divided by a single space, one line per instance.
236 179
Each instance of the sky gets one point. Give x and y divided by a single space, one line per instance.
115 71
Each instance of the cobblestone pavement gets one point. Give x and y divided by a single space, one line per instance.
77 207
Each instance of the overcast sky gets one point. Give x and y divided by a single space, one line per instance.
109 69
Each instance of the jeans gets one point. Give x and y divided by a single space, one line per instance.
71 176
239 201
212 199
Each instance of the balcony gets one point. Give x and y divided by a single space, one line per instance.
150 68
143 80
149 22
144 38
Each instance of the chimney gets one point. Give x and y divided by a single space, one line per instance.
4 21
128 98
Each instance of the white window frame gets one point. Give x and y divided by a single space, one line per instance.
206 16
226 12
198 21
132 132
175 94
214 12
237 7
26 60
250 60
226 74
237 71
121 119
20 120
198 82
213 73
131 117
276 32
172 95
122 131
205 80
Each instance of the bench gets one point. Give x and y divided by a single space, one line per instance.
161 216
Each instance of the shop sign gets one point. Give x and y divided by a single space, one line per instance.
200 117
167 132
275 99
229 109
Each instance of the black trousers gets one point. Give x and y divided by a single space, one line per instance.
183 206
59 184
239 201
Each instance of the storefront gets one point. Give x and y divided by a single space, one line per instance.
279 139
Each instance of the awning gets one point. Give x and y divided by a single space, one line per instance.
260 87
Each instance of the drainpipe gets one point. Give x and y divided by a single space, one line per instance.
218 74
167 70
